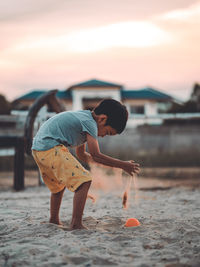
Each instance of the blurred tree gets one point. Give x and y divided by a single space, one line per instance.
195 96
190 106
16 105
5 106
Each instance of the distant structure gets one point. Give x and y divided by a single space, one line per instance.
195 97
85 95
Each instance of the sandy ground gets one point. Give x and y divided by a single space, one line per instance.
149 177
169 234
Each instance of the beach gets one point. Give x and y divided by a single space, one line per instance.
168 235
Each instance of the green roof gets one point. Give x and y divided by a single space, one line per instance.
145 93
95 83
66 94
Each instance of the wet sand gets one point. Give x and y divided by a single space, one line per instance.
169 234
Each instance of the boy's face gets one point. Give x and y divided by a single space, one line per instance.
106 130
103 129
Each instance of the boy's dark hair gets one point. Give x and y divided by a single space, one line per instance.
116 112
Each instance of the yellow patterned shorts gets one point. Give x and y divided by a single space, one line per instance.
59 169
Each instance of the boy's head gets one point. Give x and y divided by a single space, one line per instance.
111 117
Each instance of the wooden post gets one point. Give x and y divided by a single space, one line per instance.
19 164
23 143
47 98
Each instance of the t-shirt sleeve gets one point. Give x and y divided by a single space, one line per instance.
90 127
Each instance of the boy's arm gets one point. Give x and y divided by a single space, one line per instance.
82 154
93 146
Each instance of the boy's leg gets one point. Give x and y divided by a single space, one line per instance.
56 199
80 196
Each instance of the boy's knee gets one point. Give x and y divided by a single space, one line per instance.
58 193
88 183
85 185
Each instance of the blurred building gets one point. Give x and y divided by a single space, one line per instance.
86 95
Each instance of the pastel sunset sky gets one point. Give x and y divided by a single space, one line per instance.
56 43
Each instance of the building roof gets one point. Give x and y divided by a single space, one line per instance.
145 93
66 94
95 83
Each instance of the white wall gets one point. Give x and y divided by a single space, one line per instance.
150 109
78 95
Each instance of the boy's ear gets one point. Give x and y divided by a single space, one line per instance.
102 119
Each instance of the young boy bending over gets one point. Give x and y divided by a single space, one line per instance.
59 169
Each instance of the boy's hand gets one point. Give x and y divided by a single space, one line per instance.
131 167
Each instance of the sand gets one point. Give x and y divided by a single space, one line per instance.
169 234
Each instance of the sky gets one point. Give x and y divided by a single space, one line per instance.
52 44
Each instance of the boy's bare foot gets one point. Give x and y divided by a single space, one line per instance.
56 222
77 226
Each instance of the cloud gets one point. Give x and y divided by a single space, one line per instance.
12 10
44 43
87 10
184 25
28 19
184 14
124 34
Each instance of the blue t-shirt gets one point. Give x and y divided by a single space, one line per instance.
68 128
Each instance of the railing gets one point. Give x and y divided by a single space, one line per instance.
134 119
139 119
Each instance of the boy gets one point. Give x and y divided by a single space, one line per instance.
59 169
